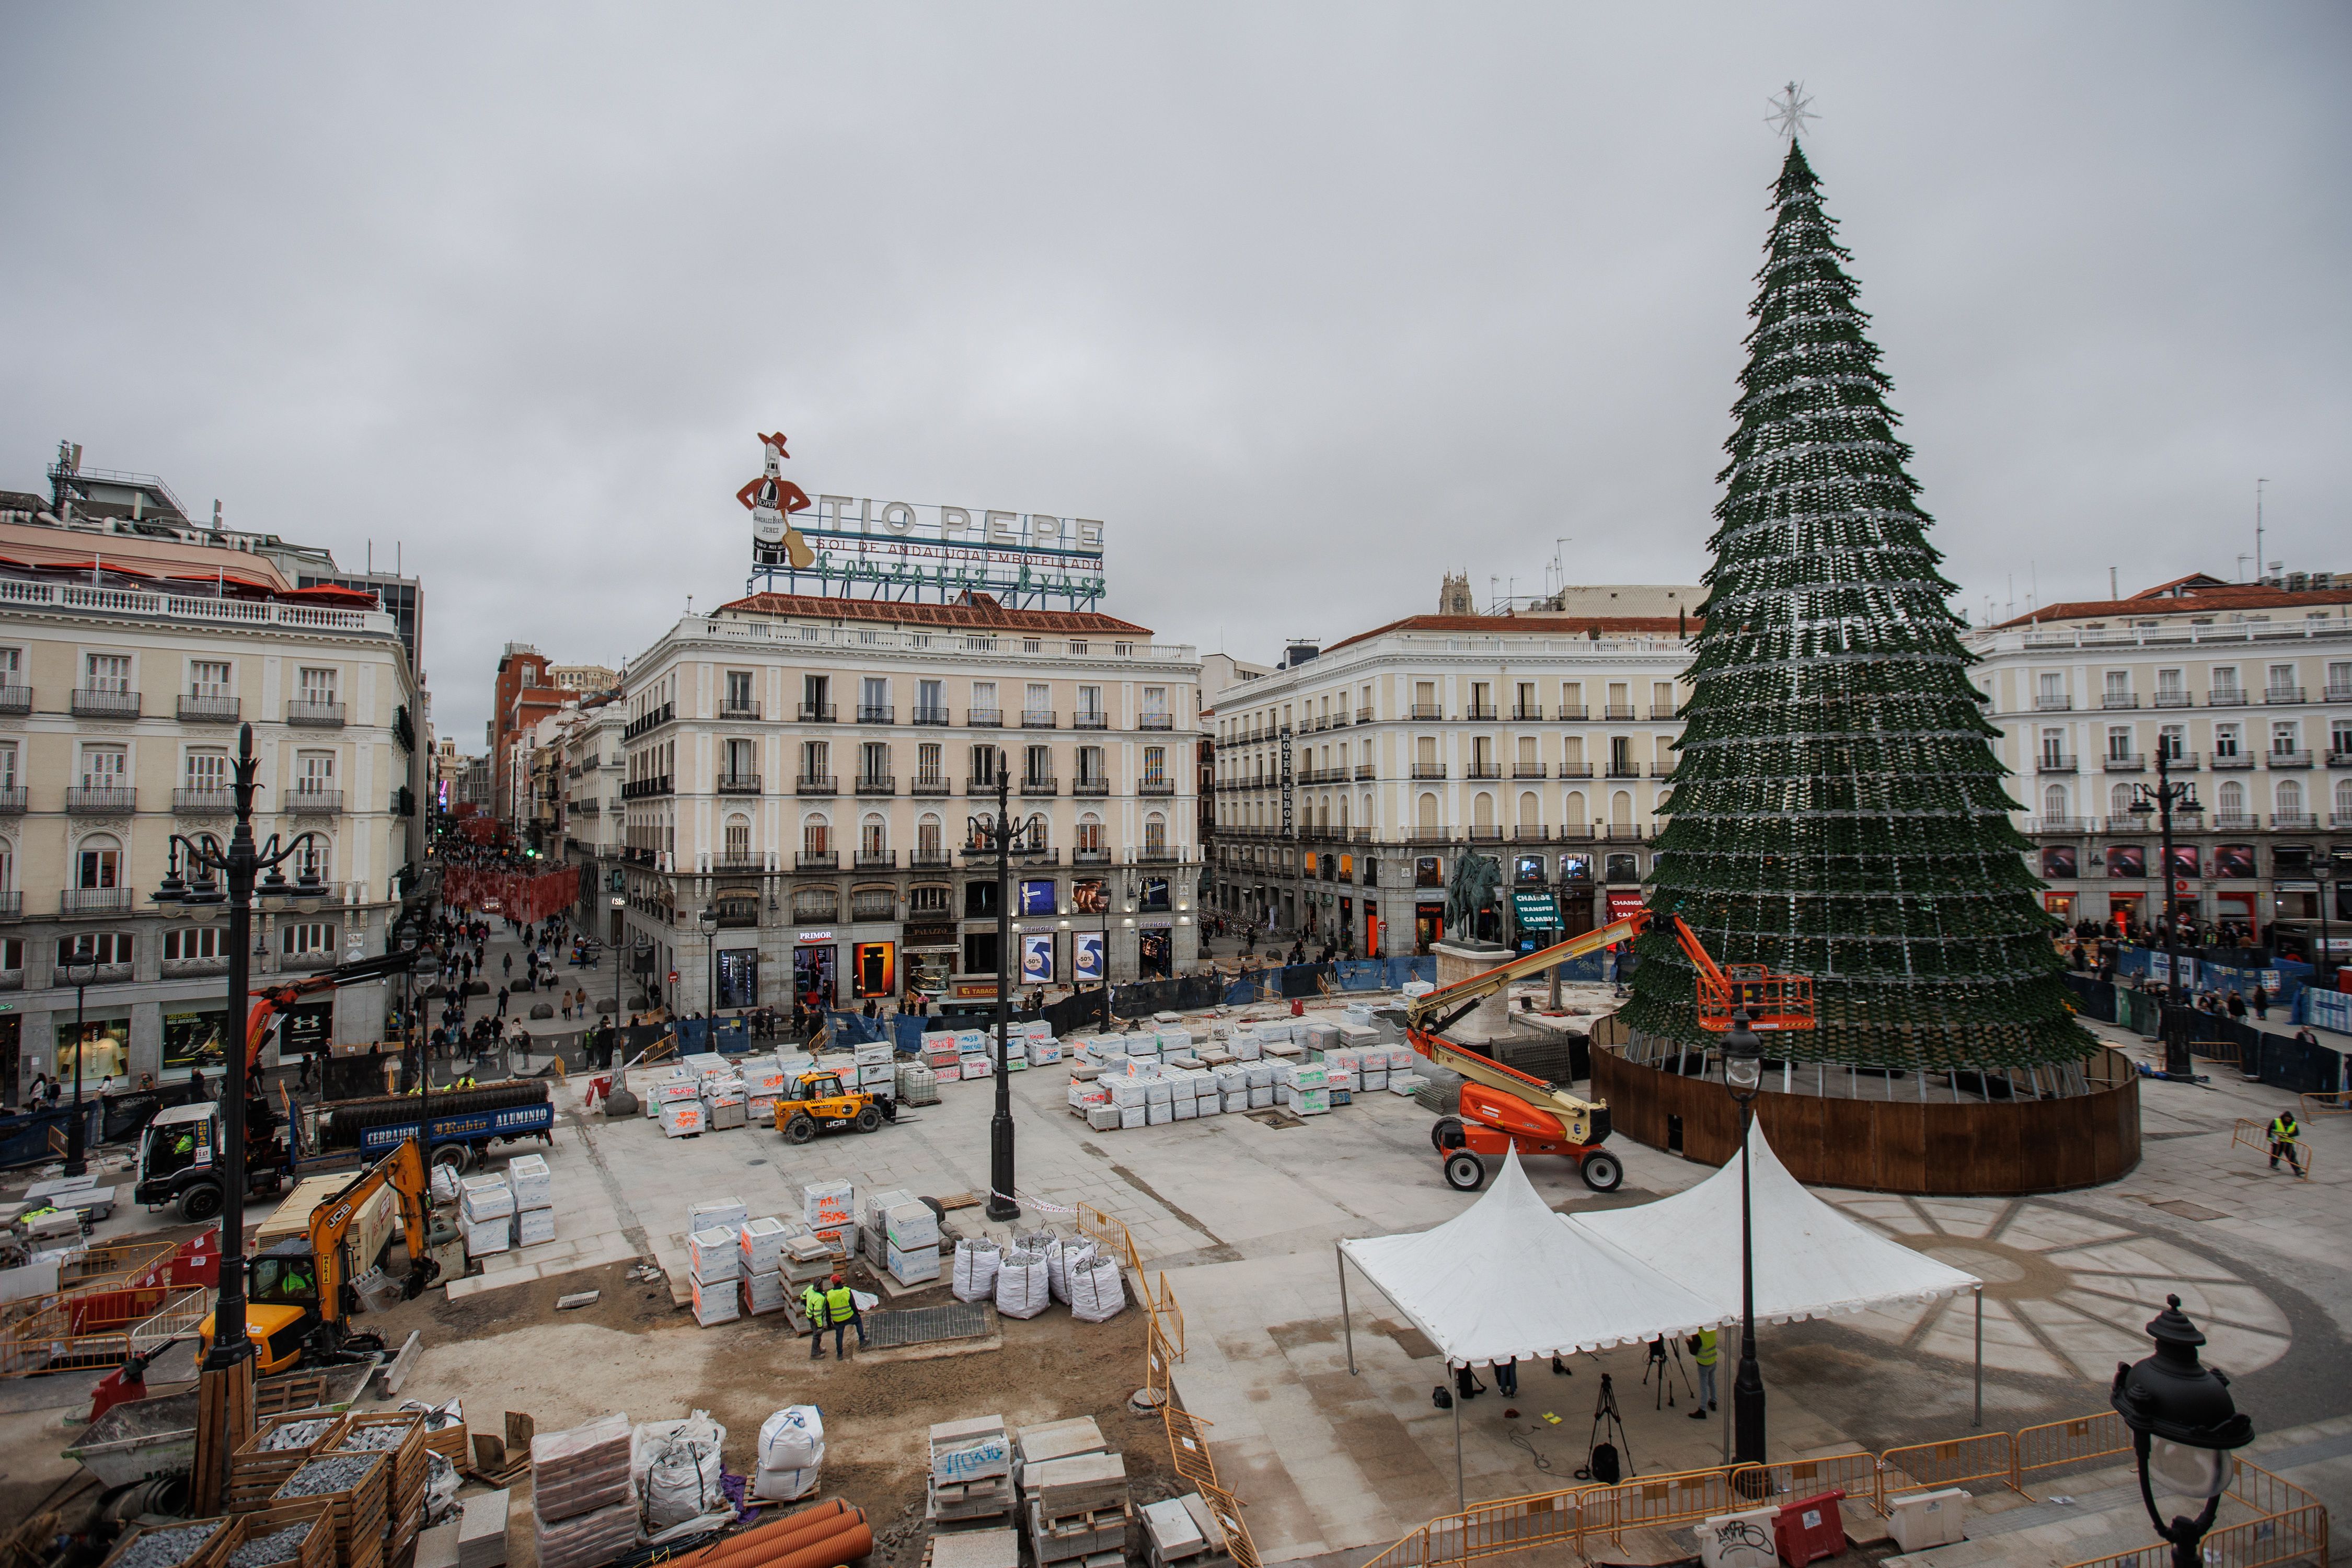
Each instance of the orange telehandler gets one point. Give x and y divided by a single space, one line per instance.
1503 1108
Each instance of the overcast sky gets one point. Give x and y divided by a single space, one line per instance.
1307 303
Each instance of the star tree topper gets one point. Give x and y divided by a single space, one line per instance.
1791 109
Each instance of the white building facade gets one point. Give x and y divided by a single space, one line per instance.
2245 691
798 777
1348 782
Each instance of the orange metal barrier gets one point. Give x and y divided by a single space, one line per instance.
2334 1103
1928 1466
2298 1535
1227 1509
1857 1475
1169 1311
2256 1135
2056 1443
1187 1445
1651 1502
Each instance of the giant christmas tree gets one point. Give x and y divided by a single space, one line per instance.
1836 809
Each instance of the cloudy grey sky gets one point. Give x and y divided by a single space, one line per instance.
1307 302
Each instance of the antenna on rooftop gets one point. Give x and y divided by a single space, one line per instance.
2258 527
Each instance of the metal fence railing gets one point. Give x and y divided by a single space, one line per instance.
2056 1443
2289 1525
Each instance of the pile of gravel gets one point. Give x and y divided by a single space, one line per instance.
381 1439
328 1473
296 1435
263 1550
166 1547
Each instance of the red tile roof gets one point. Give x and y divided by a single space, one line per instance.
1535 625
980 611
2191 595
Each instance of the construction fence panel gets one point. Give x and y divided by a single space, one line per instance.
1659 1501
1227 1509
1928 1466
2296 1536
1171 1313
2057 1442
1856 1475
1187 1445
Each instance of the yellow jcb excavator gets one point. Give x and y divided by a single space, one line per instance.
299 1294
1503 1108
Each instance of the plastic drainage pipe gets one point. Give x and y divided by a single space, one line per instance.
796 1528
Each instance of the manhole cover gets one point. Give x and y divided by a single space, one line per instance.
922 1325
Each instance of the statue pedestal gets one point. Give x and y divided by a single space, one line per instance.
1458 959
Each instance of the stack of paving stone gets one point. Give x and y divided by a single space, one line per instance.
356 1487
714 1264
399 1435
910 1243
972 1473
486 1207
829 1209
872 1204
761 1247
581 1498
1076 1509
1183 1530
534 1186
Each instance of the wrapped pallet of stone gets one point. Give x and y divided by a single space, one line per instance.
1233 1087
1247 1045
1182 1104
807 1260
1043 1050
714 1263
529 1179
910 1247
1261 1086
760 1244
581 1501
1078 1510
977 1259
533 1227
1023 1289
717 1214
872 1204
972 1471
829 1209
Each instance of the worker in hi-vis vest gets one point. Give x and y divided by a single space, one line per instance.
1707 1348
813 1303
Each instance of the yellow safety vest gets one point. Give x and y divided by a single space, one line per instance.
839 1305
2283 1129
1707 1348
814 1302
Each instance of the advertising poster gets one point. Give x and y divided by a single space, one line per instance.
1155 894
193 1038
1086 956
108 1050
875 969
2184 861
1037 895
1036 958
1528 869
2233 860
1087 897
1576 867
307 1029
2058 860
2125 860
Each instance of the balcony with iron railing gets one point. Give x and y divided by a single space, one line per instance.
1620 710
816 712
2175 699
1663 710
1429 836
2124 763
980 784
2077 826
1626 832
1098 784
817 860
816 784
97 901
2338 693
315 803
1363 715
1039 783
1366 772
2226 697
1477 770
1156 788
203 802
199 708
1428 711
1038 719
1155 721
16 699
1623 771
1530 769
652 719
12 800
983 718
1428 770
1575 833
877 713
1085 857
1573 712
876 860
2236 822
642 789
877 784
1527 712
2047 703
315 715
1488 835
2341 758
102 800
929 859
2179 762
921 715
739 708
1086 720
2294 821
1576 770
2286 758
1159 855
109 704
2114 701
737 784
2229 762
930 783
1480 713
2054 763
2282 694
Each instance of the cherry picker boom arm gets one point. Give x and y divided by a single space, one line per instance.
1458 998
269 1001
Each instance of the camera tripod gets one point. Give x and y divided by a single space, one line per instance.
1606 1422
1659 1349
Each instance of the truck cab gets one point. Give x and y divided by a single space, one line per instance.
177 1155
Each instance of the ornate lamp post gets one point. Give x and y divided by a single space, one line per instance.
2183 1425
708 919
2163 800
225 1402
1005 836
79 971
1743 1074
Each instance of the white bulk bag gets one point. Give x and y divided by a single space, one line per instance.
792 1438
1061 1258
975 1269
1023 1289
1097 1290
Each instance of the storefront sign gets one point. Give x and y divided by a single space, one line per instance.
1038 958
1086 956
815 936
1624 902
1537 911
939 935
975 990
874 969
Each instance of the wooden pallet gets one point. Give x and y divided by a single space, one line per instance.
405 1490
255 1474
298 1390
359 1513
204 1556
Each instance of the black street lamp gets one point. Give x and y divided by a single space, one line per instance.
2162 800
1005 836
226 1374
79 971
2183 1425
1743 1074
708 919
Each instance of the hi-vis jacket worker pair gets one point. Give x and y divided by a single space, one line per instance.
826 1306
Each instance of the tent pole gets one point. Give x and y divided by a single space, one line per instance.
1461 1494
1979 1420
1346 1322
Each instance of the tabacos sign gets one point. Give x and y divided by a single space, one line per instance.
858 546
